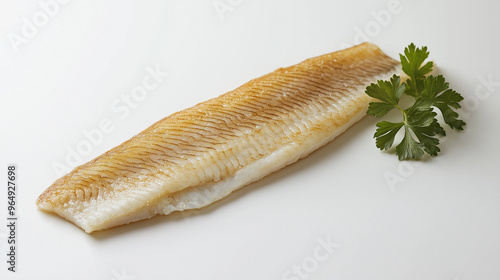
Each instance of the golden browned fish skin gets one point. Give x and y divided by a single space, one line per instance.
201 154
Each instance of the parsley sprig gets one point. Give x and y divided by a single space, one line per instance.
419 120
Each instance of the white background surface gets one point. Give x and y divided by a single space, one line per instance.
438 220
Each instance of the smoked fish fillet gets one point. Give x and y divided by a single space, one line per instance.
199 155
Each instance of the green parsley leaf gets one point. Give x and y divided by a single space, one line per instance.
437 88
389 92
385 134
419 120
411 64
424 125
409 148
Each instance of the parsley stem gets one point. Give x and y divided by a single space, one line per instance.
405 116
415 87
